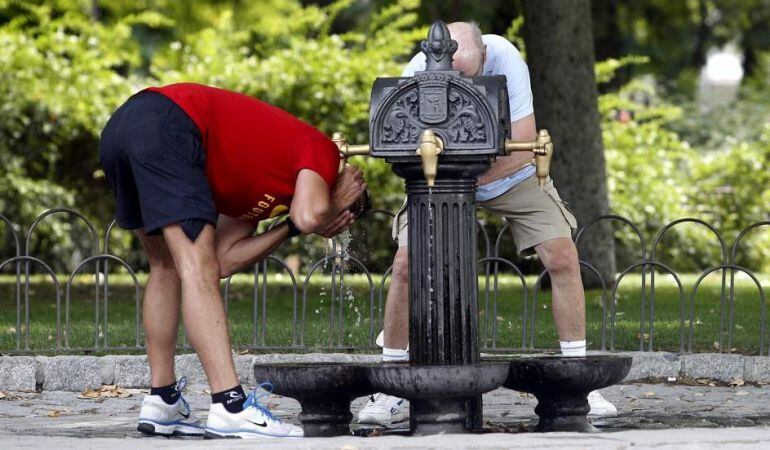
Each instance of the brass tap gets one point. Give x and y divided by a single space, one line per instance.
543 149
347 150
430 147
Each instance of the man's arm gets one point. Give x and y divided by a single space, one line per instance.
237 249
314 209
523 129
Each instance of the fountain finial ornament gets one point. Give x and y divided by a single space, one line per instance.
439 47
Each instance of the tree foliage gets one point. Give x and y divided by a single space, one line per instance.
65 65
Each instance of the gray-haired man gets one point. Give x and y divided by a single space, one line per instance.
540 221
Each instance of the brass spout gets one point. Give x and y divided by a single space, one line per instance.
543 149
347 150
430 147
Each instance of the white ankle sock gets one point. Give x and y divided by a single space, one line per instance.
394 354
573 348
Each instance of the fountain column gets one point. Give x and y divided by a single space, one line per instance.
440 130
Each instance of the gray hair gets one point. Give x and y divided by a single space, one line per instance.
476 33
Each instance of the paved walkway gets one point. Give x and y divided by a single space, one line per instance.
651 415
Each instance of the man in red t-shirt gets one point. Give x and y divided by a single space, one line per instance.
194 169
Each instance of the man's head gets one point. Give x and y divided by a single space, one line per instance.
471 51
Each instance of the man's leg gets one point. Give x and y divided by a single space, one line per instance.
202 305
383 409
396 320
162 411
160 310
559 256
541 220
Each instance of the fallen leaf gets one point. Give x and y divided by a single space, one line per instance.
712 384
648 394
108 391
716 345
54 413
89 394
737 382
244 352
703 381
741 393
699 394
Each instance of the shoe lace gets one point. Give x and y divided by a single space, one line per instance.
253 400
180 386
381 400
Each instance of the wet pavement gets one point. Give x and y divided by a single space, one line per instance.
54 418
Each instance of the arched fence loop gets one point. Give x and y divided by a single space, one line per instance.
642 254
105 330
613 302
337 268
282 322
94 250
730 325
17 252
495 260
733 254
723 247
57 290
259 320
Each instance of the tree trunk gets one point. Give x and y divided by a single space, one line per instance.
560 55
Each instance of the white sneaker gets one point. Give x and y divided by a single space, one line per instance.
383 409
159 418
255 421
600 407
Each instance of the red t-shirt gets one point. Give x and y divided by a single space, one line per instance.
254 150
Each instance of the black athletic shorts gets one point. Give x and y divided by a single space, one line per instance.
155 163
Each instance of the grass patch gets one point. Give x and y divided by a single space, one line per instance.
357 323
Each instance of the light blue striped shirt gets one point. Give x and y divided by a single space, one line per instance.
499 187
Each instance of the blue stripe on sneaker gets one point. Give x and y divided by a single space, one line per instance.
175 422
226 432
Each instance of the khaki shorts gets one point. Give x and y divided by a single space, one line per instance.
536 214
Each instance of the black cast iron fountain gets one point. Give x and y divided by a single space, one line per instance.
440 130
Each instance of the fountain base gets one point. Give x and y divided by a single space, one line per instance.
561 386
324 390
438 394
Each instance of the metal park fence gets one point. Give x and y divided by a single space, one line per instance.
339 265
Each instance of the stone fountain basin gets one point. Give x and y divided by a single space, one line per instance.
304 380
437 381
561 385
324 390
571 374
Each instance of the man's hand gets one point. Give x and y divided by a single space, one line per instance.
347 189
340 224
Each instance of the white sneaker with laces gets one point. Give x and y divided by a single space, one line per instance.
383 409
255 421
159 418
600 407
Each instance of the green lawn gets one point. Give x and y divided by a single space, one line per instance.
356 314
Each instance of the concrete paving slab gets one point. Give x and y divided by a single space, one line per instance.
650 415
